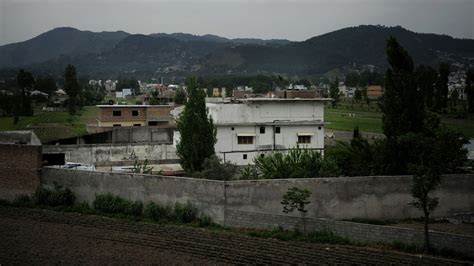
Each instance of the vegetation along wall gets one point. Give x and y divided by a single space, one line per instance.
334 198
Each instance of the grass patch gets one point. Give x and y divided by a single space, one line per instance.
50 126
369 119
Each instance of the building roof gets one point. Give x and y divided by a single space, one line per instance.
131 106
24 137
287 99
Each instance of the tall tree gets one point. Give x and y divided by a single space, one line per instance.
441 95
46 85
25 83
403 112
72 89
426 78
434 151
198 134
470 90
334 92
180 96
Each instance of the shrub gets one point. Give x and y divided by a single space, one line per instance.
110 204
54 198
158 213
297 163
216 170
185 213
204 221
23 201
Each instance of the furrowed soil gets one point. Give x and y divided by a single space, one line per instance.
35 236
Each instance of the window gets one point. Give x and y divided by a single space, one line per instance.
134 112
277 130
244 156
152 123
117 113
117 125
262 130
137 125
262 155
304 139
232 128
319 128
245 140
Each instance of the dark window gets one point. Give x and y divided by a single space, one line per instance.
137 125
244 156
117 125
319 128
152 123
232 128
245 140
304 139
262 155
262 130
117 113
134 112
277 130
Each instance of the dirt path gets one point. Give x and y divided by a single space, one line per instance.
45 237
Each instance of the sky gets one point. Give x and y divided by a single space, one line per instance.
295 20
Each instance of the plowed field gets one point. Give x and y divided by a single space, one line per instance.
34 236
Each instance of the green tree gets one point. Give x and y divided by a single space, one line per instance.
180 96
198 134
357 95
441 95
454 100
25 82
334 92
435 150
72 89
470 90
46 85
403 112
296 198
426 78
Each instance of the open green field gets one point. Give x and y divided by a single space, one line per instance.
369 119
53 125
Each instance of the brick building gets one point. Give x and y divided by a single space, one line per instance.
134 115
374 91
20 162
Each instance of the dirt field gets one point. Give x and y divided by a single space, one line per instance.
45 237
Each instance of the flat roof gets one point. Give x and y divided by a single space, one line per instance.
131 105
287 99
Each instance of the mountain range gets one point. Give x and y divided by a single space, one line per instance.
111 54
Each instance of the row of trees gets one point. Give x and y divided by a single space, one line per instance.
16 98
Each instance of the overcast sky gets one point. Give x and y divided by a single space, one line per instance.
285 19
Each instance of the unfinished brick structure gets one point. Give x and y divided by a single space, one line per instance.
20 162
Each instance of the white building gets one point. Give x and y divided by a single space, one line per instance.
258 126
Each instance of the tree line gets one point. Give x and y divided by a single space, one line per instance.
16 97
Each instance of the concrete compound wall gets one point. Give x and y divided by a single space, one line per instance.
96 153
206 195
382 197
334 198
354 231
256 204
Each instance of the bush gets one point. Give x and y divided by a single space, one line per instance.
23 201
54 198
110 204
158 213
216 170
185 213
297 163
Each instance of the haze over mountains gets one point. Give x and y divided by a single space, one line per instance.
108 54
